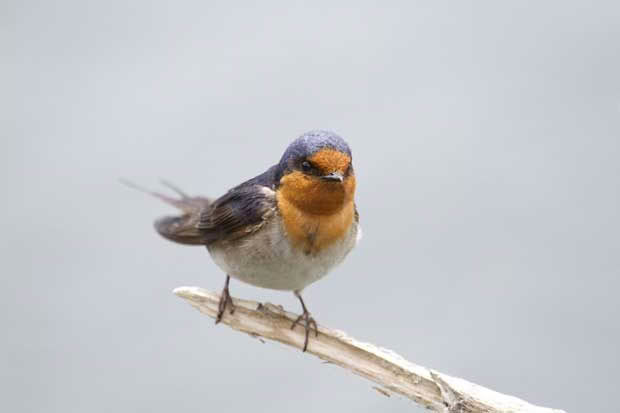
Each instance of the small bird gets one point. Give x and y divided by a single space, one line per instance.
283 229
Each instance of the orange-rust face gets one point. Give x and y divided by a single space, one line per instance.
321 184
329 160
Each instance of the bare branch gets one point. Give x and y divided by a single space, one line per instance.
431 389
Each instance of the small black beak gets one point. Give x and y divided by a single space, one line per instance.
334 177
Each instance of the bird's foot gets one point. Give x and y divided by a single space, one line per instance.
225 300
308 323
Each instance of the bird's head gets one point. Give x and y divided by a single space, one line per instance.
316 173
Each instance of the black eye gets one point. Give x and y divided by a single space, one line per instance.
306 166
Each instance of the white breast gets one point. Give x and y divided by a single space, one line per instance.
267 259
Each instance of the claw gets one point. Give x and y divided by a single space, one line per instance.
308 322
225 300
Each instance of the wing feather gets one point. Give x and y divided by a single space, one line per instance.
239 212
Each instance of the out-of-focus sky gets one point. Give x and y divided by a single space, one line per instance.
486 141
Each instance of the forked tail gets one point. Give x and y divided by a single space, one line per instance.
178 228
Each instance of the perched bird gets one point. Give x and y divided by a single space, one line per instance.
283 229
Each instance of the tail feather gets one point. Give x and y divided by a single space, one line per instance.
179 228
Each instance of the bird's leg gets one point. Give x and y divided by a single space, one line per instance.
225 300
308 321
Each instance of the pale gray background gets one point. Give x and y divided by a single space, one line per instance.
486 142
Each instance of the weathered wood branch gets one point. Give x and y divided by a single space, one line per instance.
431 389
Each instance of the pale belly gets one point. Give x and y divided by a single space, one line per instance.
267 259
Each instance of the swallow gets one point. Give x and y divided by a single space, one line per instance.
283 229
